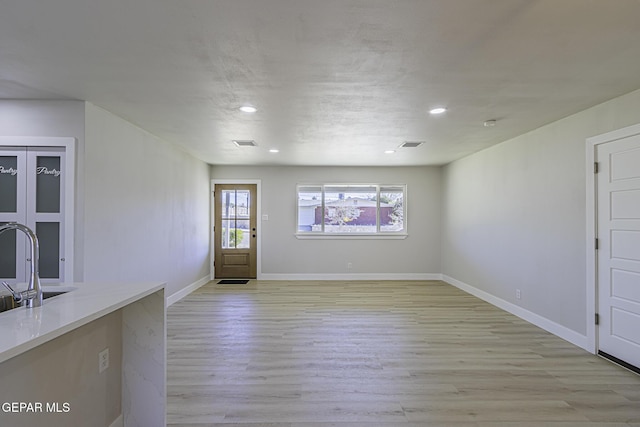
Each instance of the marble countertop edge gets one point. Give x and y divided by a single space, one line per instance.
22 329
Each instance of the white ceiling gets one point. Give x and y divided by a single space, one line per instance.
336 82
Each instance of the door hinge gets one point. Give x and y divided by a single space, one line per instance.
597 319
595 167
597 244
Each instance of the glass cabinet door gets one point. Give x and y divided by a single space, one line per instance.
12 209
45 201
32 193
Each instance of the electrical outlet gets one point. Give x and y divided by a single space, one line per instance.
349 265
518 294
103 360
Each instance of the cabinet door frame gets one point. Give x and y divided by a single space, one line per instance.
69 146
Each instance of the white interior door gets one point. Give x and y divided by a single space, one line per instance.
618 223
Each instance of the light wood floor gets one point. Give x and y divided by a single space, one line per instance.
355 354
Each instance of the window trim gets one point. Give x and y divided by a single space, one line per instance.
377 235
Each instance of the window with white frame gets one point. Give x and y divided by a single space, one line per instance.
351 209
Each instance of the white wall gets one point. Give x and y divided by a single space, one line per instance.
285 256
514 215
42 118
146 206
142 205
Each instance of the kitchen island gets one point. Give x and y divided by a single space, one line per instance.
93 356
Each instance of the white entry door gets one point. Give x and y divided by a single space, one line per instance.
618 223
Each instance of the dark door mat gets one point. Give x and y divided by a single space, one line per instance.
232 282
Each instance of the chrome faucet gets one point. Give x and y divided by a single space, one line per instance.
33 294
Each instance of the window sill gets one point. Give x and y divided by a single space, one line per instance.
311 236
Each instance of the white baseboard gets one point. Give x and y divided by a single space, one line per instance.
353 276
119 422
173 298
542 322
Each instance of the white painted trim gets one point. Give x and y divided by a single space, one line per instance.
542 322
590 253
345 236
175 297
592 227
258 183
36 141
353 276
212 224
69 145
119 422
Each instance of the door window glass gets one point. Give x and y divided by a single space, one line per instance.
8 259
8 184
49 239
48 184
236 206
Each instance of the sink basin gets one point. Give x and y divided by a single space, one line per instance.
7 303
51 294
48 291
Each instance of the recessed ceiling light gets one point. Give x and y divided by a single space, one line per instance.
389 151
438 110
274 150
489 123
248 109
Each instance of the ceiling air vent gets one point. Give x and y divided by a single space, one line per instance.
244 142
412 144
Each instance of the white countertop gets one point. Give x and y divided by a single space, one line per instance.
22 329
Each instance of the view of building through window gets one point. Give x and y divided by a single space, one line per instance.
351 209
